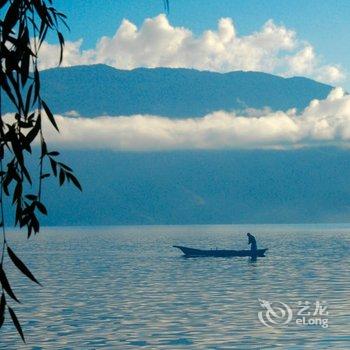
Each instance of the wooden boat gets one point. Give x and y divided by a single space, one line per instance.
191 252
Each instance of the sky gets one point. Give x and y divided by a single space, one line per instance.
324 25
286 38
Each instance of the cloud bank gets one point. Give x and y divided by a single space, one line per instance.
323 122
273 49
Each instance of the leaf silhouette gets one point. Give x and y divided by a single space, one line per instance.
41 207
53 166
62 177
61 40
65 167
50 115
11 17
16 323
33 132
75 181
21 266
6 285
2 309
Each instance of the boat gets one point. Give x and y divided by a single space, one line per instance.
192 252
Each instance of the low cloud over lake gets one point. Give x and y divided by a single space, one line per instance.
323 122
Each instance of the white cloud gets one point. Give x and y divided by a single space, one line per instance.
273 49
323 122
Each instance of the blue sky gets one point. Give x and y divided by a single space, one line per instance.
287 38
325 24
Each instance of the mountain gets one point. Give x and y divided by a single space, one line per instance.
192 187
203 187
102 90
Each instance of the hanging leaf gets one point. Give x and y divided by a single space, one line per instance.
61 41
6 285
25 58
7 89
31 197
16 323
20 265
2 309
35 223
62 177
41 207
53 154
11 17
17 193
74 180
37 85
28 99
53 166
65 167
50 115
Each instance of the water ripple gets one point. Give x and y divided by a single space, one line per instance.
126 288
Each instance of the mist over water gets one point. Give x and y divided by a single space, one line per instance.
127 288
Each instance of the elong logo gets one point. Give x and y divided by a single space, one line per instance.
274 314
277 313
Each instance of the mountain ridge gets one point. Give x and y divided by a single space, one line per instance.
192 187
97 90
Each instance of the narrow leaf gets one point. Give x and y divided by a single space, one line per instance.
31 197
61 41
75 181
65 167
16 323
33 132
62 177
2 309
6 285
41 208
20 265
50 115
53 154
53 166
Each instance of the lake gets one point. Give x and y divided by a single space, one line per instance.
127 288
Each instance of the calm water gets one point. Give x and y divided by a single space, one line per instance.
127 288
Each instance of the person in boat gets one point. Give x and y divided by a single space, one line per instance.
253 246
